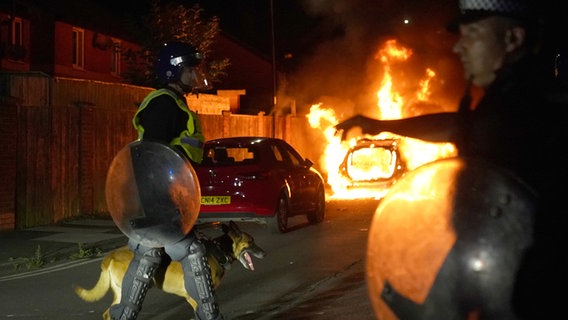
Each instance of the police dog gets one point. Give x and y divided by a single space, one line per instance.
232 245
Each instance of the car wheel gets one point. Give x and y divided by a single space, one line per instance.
279 222
317 215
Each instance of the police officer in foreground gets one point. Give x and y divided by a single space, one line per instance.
164 117
518 128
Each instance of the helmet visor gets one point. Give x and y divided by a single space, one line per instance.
196 78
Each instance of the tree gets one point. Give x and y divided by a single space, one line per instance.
174 22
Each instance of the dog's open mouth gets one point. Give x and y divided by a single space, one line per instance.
246 260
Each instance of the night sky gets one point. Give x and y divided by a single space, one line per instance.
328 47
249 21
300 26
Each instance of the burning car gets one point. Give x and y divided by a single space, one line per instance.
373 163
366 166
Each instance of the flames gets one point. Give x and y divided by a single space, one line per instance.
390 105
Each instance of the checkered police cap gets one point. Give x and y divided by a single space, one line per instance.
473 10
507 7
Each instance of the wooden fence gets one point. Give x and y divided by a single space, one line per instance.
60 136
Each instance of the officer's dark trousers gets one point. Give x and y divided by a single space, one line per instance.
190 252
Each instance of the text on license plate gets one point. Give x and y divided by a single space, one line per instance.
211 200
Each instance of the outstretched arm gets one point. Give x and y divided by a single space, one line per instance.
436 127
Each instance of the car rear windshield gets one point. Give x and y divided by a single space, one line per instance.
230 156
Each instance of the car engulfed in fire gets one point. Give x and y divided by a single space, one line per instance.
373 164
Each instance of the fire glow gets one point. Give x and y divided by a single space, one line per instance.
390 105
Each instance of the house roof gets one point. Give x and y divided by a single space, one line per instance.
88 14
247 67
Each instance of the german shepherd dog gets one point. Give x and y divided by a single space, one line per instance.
222 251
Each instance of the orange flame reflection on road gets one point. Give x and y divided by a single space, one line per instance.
390 106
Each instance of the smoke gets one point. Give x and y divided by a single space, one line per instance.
342 70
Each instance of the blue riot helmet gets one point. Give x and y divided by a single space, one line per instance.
173 57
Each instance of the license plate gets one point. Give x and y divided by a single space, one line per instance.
212 200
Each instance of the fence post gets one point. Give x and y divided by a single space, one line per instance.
260 128
226 123
287 128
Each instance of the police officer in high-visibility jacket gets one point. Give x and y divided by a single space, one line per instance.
164 116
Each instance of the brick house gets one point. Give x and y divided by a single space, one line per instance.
80 39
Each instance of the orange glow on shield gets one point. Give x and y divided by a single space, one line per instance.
411 227
188 200
390 105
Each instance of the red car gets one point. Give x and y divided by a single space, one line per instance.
258 179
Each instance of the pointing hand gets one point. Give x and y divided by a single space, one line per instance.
367 125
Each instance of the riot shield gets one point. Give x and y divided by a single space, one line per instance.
446 242
152 193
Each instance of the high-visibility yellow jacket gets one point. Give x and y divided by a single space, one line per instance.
191 139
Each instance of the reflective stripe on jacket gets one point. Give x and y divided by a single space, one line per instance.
191 139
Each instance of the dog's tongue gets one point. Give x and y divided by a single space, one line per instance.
249 261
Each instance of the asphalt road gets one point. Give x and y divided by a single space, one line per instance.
311 272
